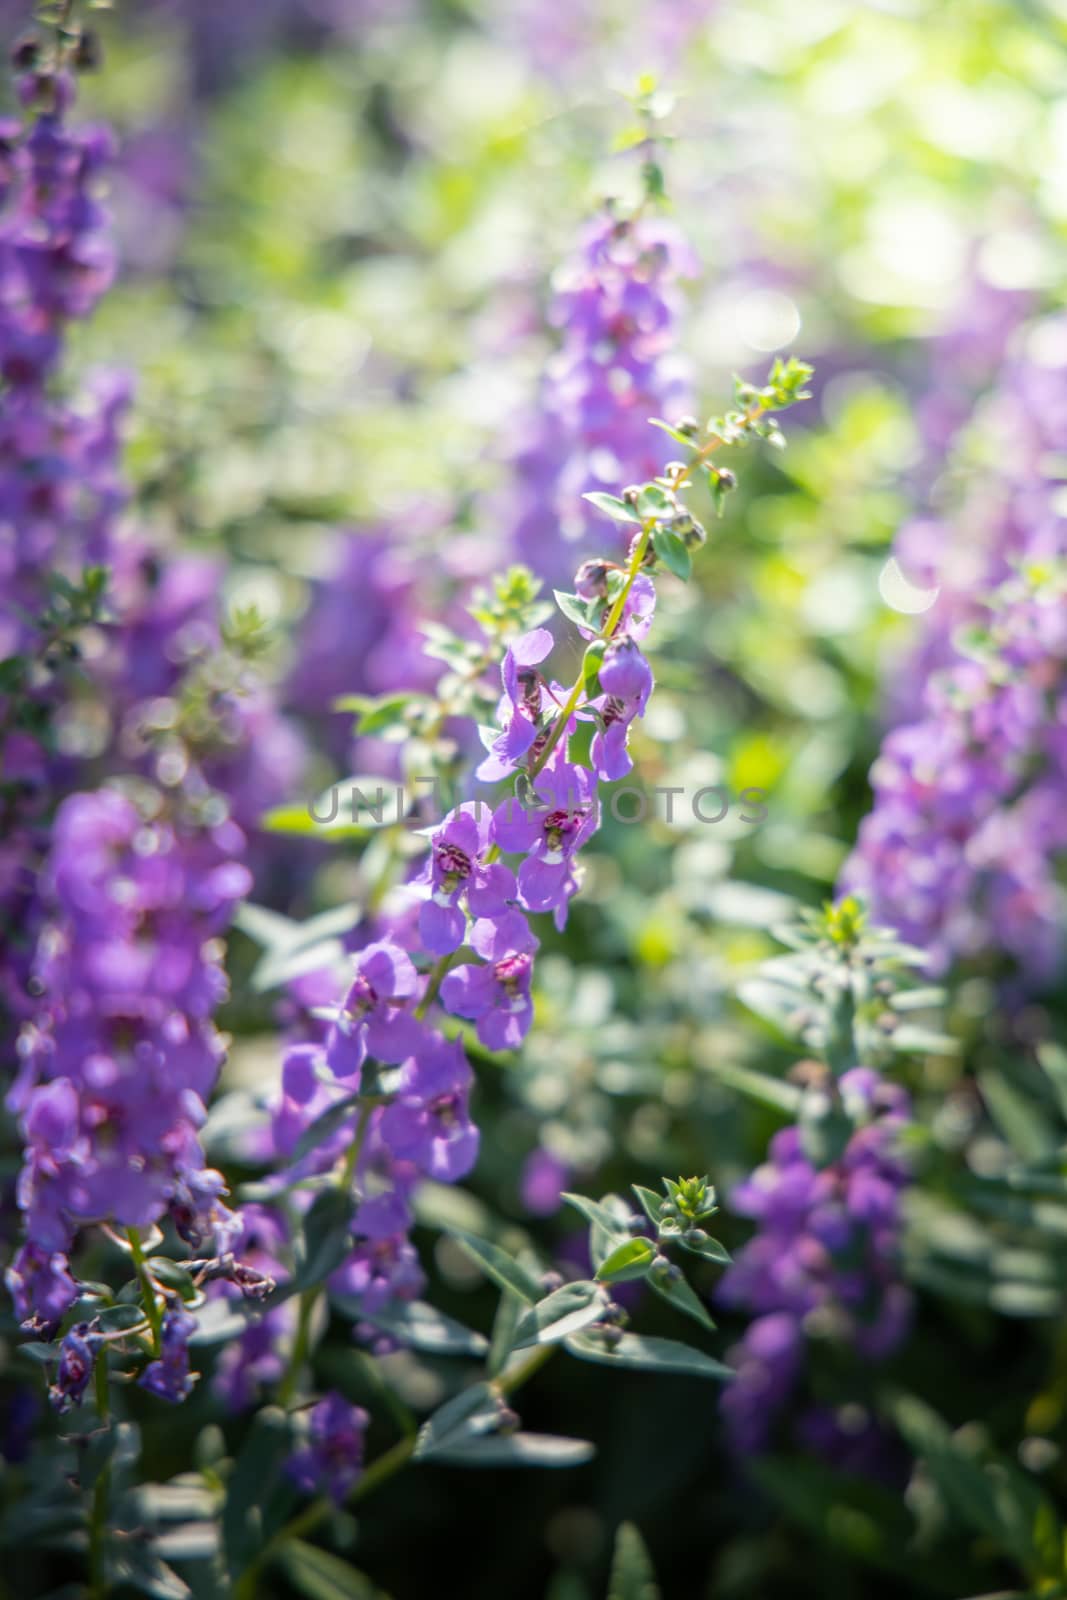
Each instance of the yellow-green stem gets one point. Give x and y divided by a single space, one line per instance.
98 1519
148 1289
637 556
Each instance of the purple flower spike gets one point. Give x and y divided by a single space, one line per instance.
496 996
429 1121
521 704
332 1460
169 1378
568 814
454 870
372 1020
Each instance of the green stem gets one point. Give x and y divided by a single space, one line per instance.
301 1339
637 556
98 1518
437 975
148 1289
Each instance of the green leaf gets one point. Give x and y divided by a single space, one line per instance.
503 1269
996 1499
708 1248
654 502
508 1313
565 1311
645 1354
612 507
675 433
1023 1125
631 1259
418 1326
324 1126
256 1471
322 1576
773 1092
673 552
297 822
326 1241
651 1202
609 1227
673 1287
574 608
172 1275
632 1575
468 1415
518 1450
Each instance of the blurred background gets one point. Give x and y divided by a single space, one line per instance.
344 226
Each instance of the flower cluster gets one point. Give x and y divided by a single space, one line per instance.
122 1055
823 1263
380 1083
616 306
59 483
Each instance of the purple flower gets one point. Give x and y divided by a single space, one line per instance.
169 1377
567 815
454 871
497 995
520 706
544 1177
616 305
429 1123
77 1357
332 1460
372 1018
826 1250
767 1364
40 1284
384 1265
626 677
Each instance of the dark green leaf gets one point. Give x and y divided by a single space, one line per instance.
612 507
566 1311
673 1287
647 1355
418 1326
265 1447
504 1270
517 1450
673 552
322 1576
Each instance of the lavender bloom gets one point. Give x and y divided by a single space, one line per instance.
824 1258
384 1266
332 1461
122 1055
550 836
616 304
77 1357
521 705
429 1123
626 677
40 1284
496 996
543 1180
372 1018
959 851
169 1378
454 871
